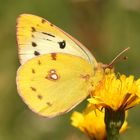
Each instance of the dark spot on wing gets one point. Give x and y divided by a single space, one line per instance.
39 63
33 36
33 71
33 89
48 103
53 55
86 77
39 96
36 53
33 29
51 24
49 40
62 44
43 20
34 44
48 34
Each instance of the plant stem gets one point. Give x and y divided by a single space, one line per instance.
112 134
114 121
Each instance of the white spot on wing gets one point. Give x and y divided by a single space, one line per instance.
54 76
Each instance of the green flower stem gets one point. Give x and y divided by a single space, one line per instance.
113 121
112 134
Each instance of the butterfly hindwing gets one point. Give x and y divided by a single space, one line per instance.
52 84
37 36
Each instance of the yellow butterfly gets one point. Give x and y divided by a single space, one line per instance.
57 72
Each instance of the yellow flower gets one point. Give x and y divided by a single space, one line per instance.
91 123
116 93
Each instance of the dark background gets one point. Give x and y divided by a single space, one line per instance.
106 27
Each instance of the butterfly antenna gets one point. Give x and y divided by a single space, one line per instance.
118 58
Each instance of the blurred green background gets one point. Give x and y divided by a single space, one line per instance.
104 26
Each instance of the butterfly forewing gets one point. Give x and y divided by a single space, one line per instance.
37 36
